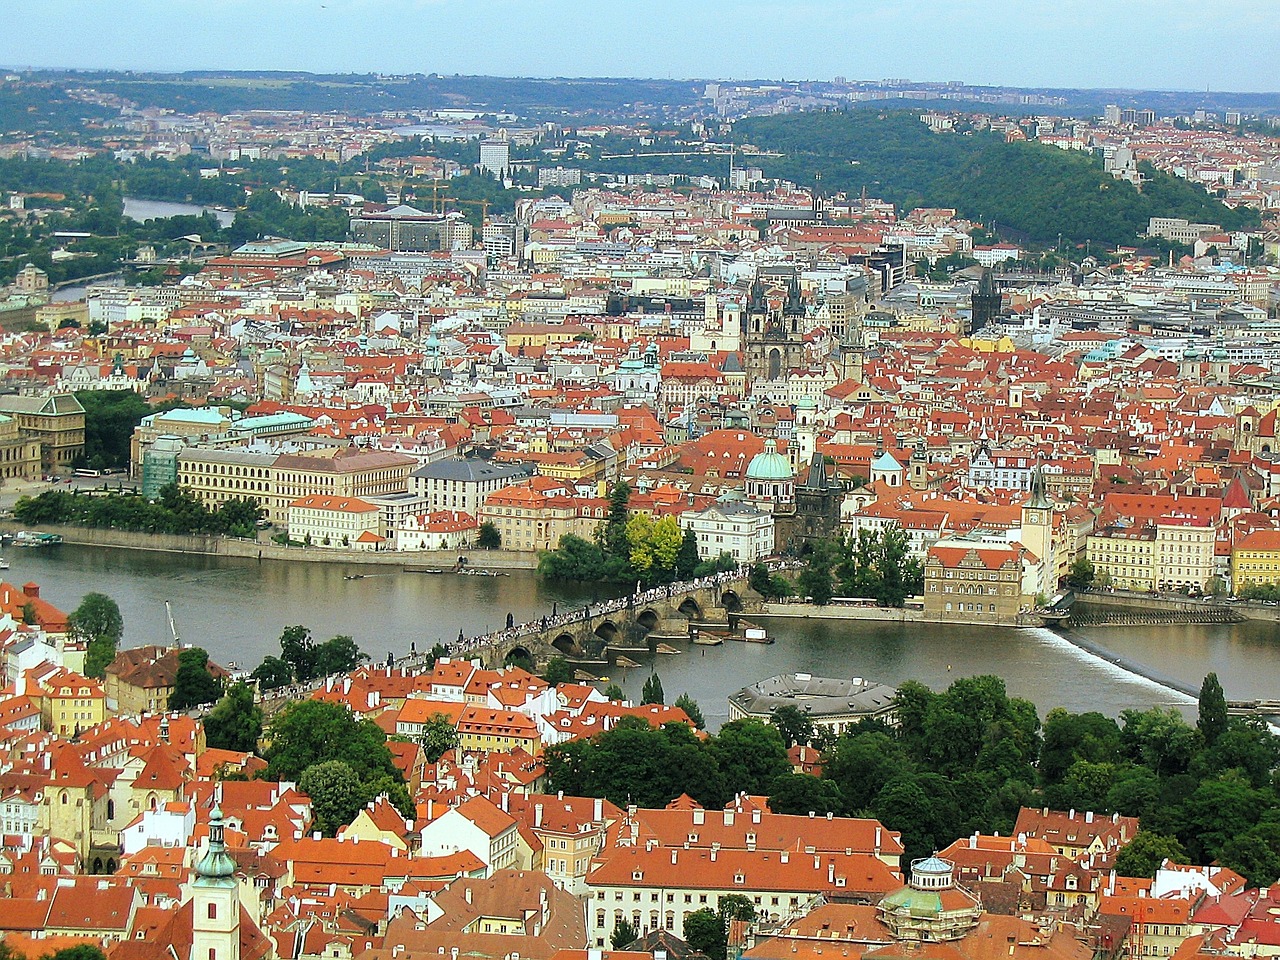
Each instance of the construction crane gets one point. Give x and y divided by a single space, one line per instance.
173 627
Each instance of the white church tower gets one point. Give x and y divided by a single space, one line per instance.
215 900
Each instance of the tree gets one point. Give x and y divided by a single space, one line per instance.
1081 573
298 650
272 673
1142 856
337 655
751 755
691 710
860 765
489 538
97 623
793 724
623 934
704 931
652 690
336 795
687 558
83 951
1255 855
438 737
614 692
194 685
1212 722
558 671
653 547
802 793
308 732
236 722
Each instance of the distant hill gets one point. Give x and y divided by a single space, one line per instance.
1038 191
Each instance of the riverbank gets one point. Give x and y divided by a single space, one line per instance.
216 546
812 611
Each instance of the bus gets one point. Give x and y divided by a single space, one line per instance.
855 602
87 473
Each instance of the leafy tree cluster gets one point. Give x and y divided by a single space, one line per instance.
236 722
99 626
340 762
629 548
636 763
872 564
194 685
174 511
1037 190
302 659
110 417
968 758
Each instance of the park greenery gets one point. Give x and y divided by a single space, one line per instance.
110 417
303 659
875 565
630 548
966 760
173 511
1037 191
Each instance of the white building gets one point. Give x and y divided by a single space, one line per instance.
476 826
323 521
738 529
495 158
463 484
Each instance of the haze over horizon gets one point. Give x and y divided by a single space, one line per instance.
1141 44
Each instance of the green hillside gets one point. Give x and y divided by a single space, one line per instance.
1038 190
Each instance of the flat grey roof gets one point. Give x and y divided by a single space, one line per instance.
816 696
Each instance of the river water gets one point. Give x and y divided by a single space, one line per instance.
236 609
143 210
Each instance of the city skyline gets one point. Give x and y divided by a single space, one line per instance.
1141 45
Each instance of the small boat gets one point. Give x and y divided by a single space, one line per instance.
4 564
626 662
754 633
708 640
667 648
355 576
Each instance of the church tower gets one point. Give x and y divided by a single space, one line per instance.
984 303
215 900
919 467
1037 529
774 339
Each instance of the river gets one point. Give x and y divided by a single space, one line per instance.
236 609
143 210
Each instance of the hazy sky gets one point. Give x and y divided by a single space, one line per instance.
1164 44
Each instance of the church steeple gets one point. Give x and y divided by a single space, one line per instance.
216 865
215 900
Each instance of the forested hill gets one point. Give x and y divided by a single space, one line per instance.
1039 190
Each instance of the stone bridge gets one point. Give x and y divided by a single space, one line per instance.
587 635
635 622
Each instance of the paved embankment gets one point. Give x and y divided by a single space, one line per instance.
215 546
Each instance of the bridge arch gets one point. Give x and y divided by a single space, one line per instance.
690 608
608 632
731 601
648 618
566 644
519 655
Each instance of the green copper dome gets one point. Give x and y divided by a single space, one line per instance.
769 465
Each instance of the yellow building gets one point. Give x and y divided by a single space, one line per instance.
19 455
68 702
541 335
1171 553
55 422
485 730
1255 560
973 581
215 476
